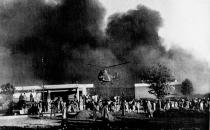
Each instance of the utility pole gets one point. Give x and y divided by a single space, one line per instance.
43 84
123 104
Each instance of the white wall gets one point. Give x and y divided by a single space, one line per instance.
142 92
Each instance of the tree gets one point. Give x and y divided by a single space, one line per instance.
159 77
7 90
187 87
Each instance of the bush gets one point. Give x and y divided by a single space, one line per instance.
11 107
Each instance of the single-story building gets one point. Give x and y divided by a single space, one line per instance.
141 90
51 91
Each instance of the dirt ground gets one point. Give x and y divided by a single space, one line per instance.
129 120
27 121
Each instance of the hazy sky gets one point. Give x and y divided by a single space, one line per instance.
186 23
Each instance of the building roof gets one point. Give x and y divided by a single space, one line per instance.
141 84
146 84
67 86
54 87
27 88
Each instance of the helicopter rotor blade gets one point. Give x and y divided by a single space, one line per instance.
95 65
117 65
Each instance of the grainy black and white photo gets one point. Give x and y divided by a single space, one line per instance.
104 64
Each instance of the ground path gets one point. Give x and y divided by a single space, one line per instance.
130 120
27 121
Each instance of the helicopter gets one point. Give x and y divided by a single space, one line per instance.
104 75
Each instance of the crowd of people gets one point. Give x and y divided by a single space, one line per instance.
115 104
39 106
148 106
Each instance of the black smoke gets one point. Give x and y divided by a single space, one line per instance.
129 30
133 36
55 40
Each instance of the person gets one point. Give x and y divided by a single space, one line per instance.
201 105
48 104
45 106
75 98
130 104
172 104
167 105
154 105
94 110
158 105
104 113
84 99
112 108
208 104
59 104
187 106
21 97
138 106
64 110
40 109
134 105
126 106
21 101
123 104
24 97
53 107
149 109
197 105
31 98
81 103
145 105
75 106
176 105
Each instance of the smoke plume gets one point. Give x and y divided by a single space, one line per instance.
134 36
47 39
55 40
